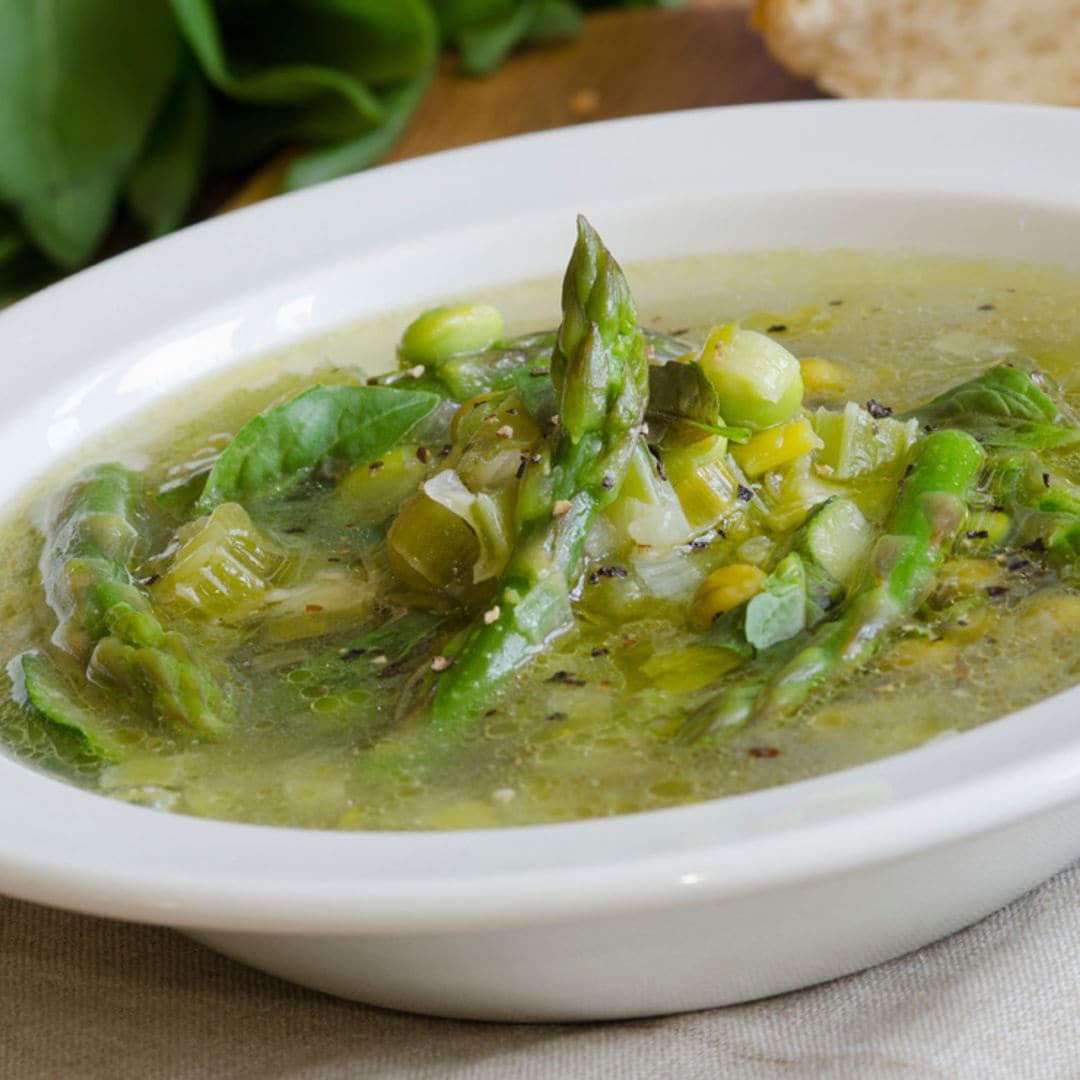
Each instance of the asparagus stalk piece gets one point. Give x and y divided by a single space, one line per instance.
928 515
106 621
600 373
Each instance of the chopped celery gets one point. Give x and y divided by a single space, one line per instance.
856 443
224 565
648 510
792 494
757 381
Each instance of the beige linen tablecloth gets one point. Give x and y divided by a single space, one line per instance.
89 998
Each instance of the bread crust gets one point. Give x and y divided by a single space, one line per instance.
990 49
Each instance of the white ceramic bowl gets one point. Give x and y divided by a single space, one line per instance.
651 913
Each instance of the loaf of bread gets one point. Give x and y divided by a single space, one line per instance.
1005 50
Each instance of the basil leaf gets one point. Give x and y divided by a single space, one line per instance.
279 448
683 405
80 85
556 20
166 178
778 612
335 71
365 150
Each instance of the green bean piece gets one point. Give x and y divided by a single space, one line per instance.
600 373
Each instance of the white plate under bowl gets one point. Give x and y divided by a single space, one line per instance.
649 913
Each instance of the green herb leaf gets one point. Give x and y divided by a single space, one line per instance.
683 405
164 181
278 448
365 150
556 20
80 85
345 72
778 612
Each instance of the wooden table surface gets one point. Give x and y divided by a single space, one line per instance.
625 63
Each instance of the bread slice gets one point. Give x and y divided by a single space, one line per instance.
1004 50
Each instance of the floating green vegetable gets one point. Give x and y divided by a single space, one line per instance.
278 449
600 374
928 516
107 622
57 703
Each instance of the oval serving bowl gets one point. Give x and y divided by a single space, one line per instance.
650 913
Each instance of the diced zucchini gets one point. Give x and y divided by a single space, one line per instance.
838 538
856 443
488 515
757 380
432 549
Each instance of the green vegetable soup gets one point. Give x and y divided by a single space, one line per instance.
510 561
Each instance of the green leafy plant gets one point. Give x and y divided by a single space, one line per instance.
109 105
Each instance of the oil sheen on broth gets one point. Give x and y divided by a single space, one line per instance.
591 727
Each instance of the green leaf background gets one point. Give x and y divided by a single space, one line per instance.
126 107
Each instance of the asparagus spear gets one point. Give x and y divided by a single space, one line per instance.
600 374
106 621
928 515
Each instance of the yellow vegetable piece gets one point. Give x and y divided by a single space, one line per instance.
707 494
822 377
776 446
725 589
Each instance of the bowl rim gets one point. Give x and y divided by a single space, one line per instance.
90 853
